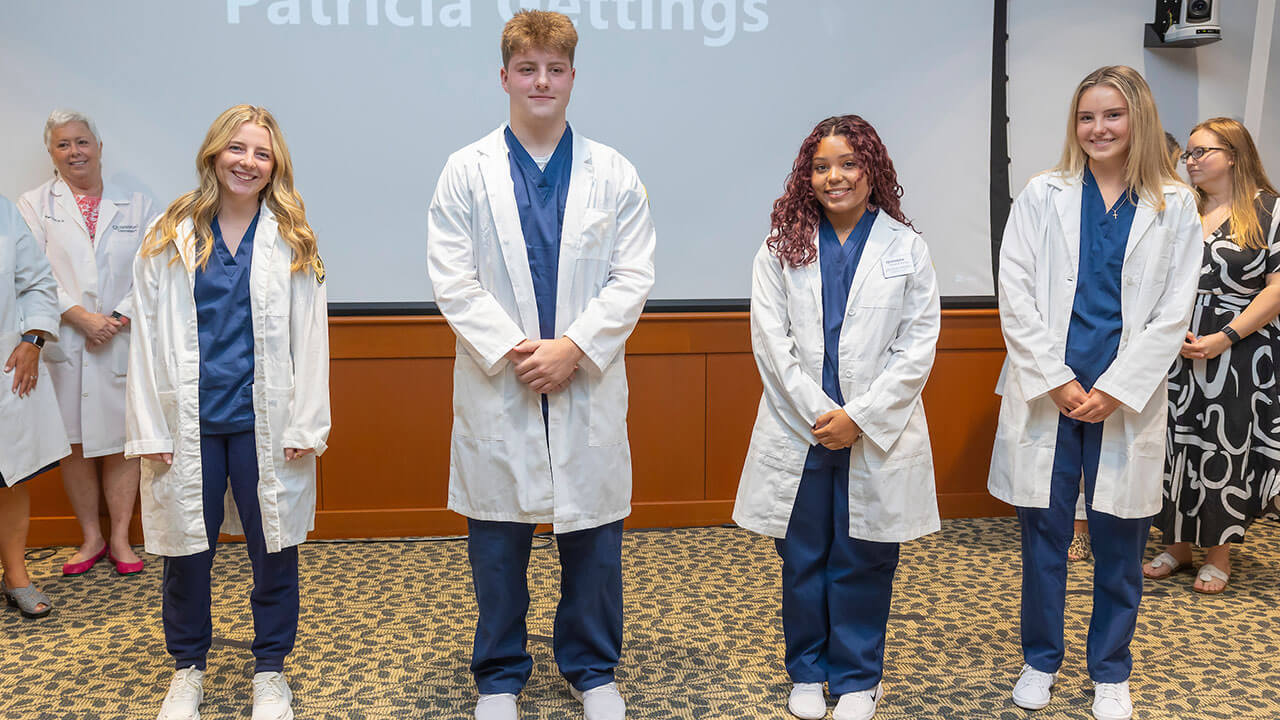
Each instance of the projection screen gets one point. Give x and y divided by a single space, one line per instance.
708 98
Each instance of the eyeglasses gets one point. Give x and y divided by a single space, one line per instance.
1199 153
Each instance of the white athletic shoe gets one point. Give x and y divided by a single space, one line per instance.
1033 689
498 706
860 705
601 703
272 698
807 701
1111 701
186 691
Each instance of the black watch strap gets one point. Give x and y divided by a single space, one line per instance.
1231 334
33 339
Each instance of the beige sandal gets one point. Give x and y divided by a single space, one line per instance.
1208 573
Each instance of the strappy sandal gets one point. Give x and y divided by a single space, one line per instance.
1209 573
1164 559
27 599
1079 550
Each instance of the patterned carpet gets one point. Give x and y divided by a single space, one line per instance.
386 632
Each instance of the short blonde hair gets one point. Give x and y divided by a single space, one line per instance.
540 29
1150 165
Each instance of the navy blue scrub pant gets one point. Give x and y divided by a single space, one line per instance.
587 639
188 626
1118 544
836 589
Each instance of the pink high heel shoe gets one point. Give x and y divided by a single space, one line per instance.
125 568
81 568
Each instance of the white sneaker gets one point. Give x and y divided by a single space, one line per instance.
807 701
860 705
1111 701
272 698
1033 689
186 691
601 703
498 706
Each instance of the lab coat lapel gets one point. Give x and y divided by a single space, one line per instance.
1067 203
495 169
67 201
878 242
581 179
106 213
1143 217
264 245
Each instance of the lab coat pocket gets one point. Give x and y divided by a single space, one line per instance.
53 352
278 401
120 353
479 403
598 232
169 412
279 355
609 408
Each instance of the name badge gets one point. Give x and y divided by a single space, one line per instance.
896 266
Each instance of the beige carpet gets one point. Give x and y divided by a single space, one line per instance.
386 633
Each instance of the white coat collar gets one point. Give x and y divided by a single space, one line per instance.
884 230
495 169
266 230
1067 203
112 197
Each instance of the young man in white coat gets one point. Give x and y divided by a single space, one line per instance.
540 252
33 438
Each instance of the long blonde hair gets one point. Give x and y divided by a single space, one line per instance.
1247 178
201 205
1149 165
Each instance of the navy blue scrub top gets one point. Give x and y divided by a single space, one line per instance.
541 194
838 264
225 318
1093 338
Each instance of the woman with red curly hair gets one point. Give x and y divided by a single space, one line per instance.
844 321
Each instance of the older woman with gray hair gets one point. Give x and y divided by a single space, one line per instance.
90 230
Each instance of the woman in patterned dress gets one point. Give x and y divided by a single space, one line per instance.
1222 467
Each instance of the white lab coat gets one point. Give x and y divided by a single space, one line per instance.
887 345
32 436
290 393
97 276
1039 259
476 258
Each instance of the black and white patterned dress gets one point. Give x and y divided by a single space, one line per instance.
1222 463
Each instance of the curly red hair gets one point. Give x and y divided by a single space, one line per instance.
796 214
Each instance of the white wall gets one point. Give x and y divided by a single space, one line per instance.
1053 45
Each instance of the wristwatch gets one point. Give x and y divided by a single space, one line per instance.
33 339
1231 334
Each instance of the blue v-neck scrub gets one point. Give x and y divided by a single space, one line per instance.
836 589
1093 340
587 636
229 458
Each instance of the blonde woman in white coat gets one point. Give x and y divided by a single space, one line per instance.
90 230
33 439
844 324
1098 269
229 396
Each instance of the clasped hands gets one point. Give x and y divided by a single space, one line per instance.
546 366
1204 348
96 327
1091 407
835 430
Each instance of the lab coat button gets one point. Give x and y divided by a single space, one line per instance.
848 373
850 312
84 395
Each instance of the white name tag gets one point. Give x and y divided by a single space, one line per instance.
898 265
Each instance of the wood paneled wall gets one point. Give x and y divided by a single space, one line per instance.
694 394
